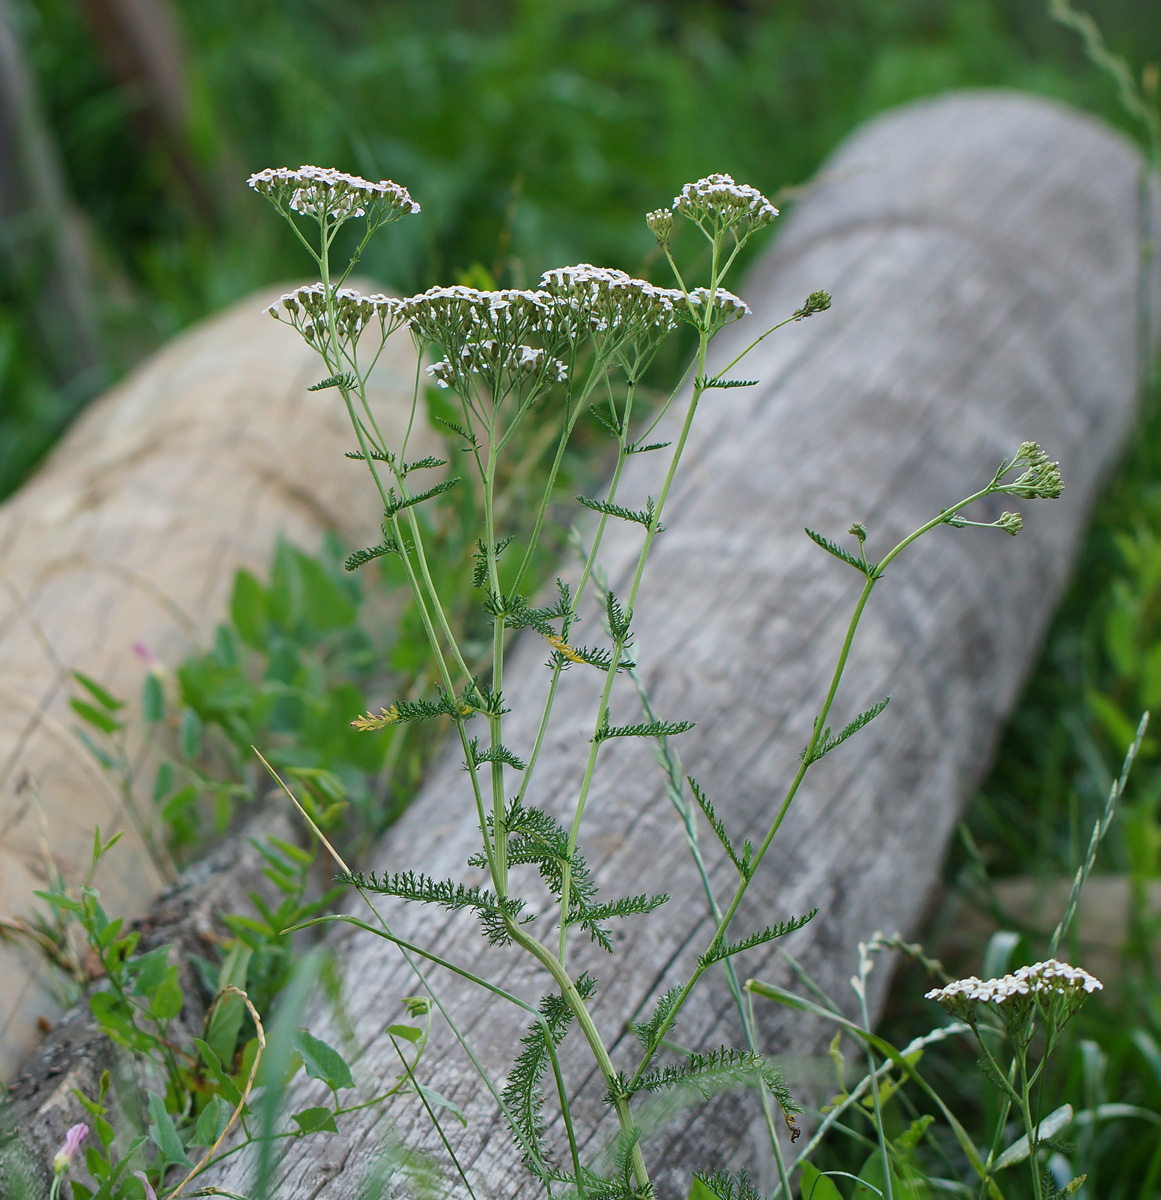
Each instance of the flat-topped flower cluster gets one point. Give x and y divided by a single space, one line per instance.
1042 978
332 196
718 201
306 309
491 333
1052 990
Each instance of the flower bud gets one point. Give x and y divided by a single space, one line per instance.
661 223
72 1143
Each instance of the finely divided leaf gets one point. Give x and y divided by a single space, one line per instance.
718 951
837 550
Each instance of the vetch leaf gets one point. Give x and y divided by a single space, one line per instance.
92 715
153 698
163 1133
316 1120
323 1061
249 610
166 1001
105 699
213 1120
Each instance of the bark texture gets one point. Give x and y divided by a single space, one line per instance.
982 251
132 532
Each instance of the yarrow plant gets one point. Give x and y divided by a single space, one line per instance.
1030 1001
580 341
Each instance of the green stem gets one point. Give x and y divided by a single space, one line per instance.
619 645
873 576
592 1035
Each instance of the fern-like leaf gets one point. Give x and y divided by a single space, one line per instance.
635 449
643 516
706 384
726 1185
423 889
459 431
619 620
648 1032
345 381
827 744
395 504
830 547
493 754
608 418
522 1093
719 951
480 558
592 656
590 916
376 456
711 1073
654 729
424 464
741 862
388 545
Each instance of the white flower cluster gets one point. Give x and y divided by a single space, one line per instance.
332 195
604 300
455 316
306 309
717 199
726 306
1044 980
490 359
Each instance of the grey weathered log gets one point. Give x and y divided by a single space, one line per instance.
983 257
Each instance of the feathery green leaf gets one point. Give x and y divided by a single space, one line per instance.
643 516
830 547
654 729
827 744
718 951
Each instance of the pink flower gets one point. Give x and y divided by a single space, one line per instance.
72 1143
150 1194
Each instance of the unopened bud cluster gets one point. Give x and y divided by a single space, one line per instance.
660 223
816 302
306 309
1009 522
332 196
1040 479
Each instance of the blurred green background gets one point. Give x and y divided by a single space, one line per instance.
535 133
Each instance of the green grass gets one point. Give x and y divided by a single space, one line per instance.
533 133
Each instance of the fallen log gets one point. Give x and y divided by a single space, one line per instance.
982 251
132 532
